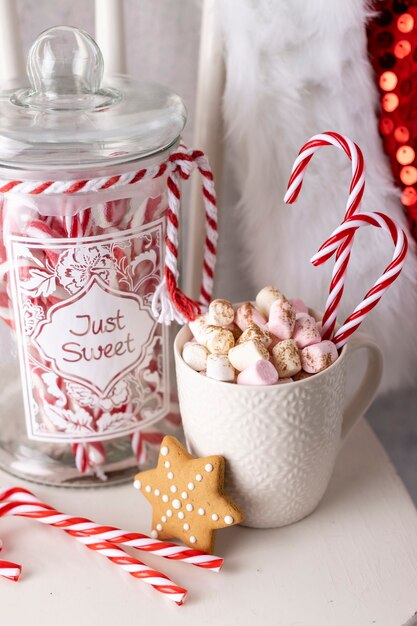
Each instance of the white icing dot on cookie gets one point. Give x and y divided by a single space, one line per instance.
186 526
228 519
198 477
167 464
164 519
201 512
137 484
148 489
157 492
181 514
174 489
159 527
192 539
184 495
191 486
170 475
164 450
154 534
208 467
214 517
176 503
169 513
165 498
189 507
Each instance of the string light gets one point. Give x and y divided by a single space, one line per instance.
390 102
388 81
402 49
408 175
405 23
405 155
392 41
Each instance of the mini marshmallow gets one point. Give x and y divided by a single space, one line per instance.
220 368
318 357
299 306
306 332
247 353
266 297
247 314
235 330
284 381
198 326
218 340
286 359
259 373
195 355
221 312
253 331
281 319
302 375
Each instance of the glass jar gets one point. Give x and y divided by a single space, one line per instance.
83 219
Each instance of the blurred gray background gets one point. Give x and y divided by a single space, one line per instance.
162 45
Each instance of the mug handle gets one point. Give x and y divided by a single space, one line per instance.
370 383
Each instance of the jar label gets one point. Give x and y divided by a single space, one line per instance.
94 361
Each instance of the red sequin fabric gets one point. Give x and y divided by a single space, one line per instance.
392 44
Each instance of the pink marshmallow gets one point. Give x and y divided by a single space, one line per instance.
281 319
299 306
259 373
318 357
305 332
247 314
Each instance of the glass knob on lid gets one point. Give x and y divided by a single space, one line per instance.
65 69
68 118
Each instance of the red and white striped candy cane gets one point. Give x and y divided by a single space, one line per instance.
113 553
357 187
9 570
346 232
88 532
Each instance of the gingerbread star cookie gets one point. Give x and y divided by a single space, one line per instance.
187 496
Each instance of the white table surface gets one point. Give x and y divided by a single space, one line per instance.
353 562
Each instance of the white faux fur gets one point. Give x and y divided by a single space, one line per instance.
296 68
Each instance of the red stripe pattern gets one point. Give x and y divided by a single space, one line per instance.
357 187
345 232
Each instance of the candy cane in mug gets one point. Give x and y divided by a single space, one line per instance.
346 232
357 187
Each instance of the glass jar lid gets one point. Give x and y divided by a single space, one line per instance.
68 119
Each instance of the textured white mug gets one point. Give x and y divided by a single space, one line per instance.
280 442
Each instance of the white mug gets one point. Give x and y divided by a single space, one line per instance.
280 442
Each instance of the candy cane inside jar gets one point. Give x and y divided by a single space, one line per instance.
90 206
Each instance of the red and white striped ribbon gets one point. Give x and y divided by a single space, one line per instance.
89 532
169 302
357 187
345 232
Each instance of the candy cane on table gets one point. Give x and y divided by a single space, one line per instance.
9 570
113 553
88 532
357 187
346 232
